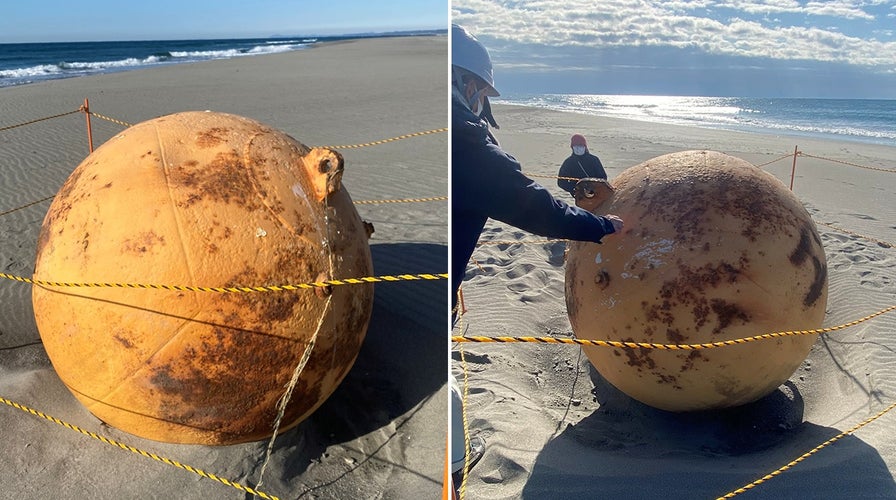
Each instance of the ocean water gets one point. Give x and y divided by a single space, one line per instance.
862 120
23 63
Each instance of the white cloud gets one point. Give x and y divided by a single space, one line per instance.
845 9
722 27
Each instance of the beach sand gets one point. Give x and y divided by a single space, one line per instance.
381 434
555 428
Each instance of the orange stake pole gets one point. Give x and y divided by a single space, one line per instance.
86 109
448 490
793 169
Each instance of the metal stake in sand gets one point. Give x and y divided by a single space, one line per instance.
86 109
796 152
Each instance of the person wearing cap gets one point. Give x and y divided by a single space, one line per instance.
580 164
487 182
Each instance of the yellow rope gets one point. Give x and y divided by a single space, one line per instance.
463 481
807 454
545 176
26 205
138 451
242 289
879 242
384 141
847 163
113 120
349 146
60 115
760 165
671 347
406 200
518 242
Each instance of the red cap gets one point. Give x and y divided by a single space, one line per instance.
578 140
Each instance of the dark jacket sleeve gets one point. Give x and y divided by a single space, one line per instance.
505 194
565 171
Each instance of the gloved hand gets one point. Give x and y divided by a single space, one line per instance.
616 221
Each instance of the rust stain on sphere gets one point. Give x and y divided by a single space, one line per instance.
202 199
713 249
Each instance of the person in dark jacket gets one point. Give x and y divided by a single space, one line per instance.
487 182
580 164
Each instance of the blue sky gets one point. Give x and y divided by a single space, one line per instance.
770 48
100 20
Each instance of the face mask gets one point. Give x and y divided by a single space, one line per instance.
578 150
476 102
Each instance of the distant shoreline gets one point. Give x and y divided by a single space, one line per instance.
25 63
770 125
354 36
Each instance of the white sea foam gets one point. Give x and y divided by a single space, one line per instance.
77 63
857 119
228 53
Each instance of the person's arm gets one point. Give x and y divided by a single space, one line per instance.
509 196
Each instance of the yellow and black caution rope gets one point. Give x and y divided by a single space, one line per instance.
138 451
807 454
391 139
17 125
840 229
232 289
348 146
404 200
108 119
887 170
671 347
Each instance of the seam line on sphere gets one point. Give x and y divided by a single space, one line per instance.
185 321
250 173
197 308
175 211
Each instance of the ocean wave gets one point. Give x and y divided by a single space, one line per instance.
851 119
40 70
101 65
236 52
833 129
66 68
47 70
303 41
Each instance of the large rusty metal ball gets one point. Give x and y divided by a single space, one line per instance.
208 200
713 249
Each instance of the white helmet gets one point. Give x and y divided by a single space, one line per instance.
469 54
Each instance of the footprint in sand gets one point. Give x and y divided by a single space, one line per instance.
863 216
556 253
507 471
519 271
